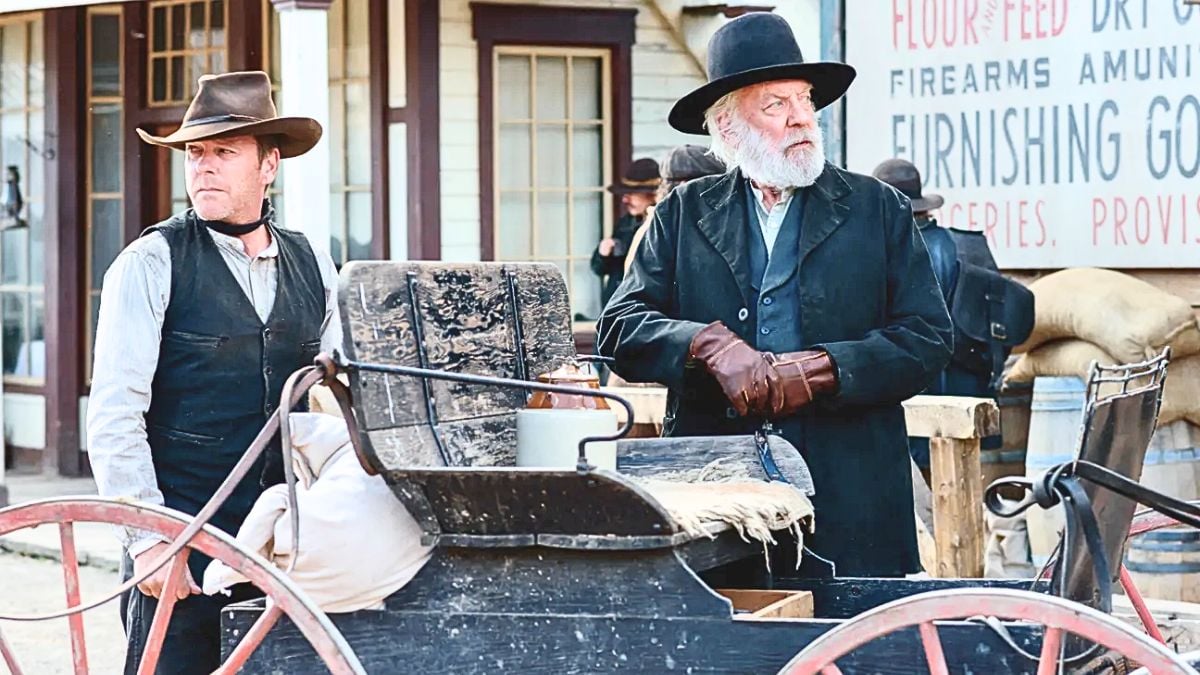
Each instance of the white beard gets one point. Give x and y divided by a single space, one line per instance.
765 163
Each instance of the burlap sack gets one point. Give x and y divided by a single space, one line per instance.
1065 358
1125 316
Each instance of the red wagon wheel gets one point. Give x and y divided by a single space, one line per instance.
921 611
283 596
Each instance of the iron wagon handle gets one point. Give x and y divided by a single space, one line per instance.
581 463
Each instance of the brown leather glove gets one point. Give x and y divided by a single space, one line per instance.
737 367
796 378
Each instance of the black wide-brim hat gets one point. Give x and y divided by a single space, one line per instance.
757 47
239 104
904 176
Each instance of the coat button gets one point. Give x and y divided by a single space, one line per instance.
730 413
767 300
743 313
764 330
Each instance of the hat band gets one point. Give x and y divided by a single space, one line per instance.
641 183
217 119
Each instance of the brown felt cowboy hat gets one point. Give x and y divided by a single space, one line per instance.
640 176
239 104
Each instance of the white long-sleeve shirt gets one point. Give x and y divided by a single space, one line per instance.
133 302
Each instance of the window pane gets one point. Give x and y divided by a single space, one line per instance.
586 88
551 88
216 20
33 180
14 256
12 144
37 243
178 83
106 147
196 29
358 55
552 155
587 145
158 79
32 359
398 191
94 307
12 321
337 135
397 43
159 29
337 40
360 225
178 25
218 63
552 224
197 66
588 222
12 65
513 162
513 87
37 65
106 237
514 239
358 133
337 227
179 197
585 291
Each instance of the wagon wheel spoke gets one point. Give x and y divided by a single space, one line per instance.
70 562
162 614
934 655
10 660
1051 646
252 640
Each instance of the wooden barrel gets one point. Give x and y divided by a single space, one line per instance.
1165 564
1055 419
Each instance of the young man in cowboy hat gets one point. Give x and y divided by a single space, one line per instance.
791 292
201 321
637 189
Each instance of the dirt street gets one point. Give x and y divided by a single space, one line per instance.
29 585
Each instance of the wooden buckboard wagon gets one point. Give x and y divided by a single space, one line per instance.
584 571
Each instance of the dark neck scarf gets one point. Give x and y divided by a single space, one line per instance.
239 230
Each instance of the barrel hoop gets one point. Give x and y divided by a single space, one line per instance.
1162 568
1176 536
1173 456
1057 406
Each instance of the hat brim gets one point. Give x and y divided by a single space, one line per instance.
295 135
619 189
829 81
927 203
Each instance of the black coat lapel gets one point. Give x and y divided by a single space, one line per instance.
824 210
724 225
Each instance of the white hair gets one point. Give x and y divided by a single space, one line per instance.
739 144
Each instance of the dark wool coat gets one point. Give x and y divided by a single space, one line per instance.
868 296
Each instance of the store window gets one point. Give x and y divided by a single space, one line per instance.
22 170
187 40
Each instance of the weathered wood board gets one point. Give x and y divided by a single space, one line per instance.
464 322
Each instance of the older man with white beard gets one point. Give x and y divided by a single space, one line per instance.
788 295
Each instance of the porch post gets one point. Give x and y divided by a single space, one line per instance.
304 55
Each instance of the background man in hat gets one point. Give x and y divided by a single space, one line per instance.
637 189
684 163
201 320
788 291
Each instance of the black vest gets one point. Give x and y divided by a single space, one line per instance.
221 370
775 316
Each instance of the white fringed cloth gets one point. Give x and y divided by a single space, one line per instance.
754 508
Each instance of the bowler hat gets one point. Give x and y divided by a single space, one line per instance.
640 176
902 175
239 104
757 47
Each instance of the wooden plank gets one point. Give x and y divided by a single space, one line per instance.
951 417
769 604
847 597
957 506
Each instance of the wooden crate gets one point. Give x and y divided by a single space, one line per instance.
757 604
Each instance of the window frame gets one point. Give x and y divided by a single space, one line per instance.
186 52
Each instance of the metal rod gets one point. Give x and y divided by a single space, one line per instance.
423 359
488 380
